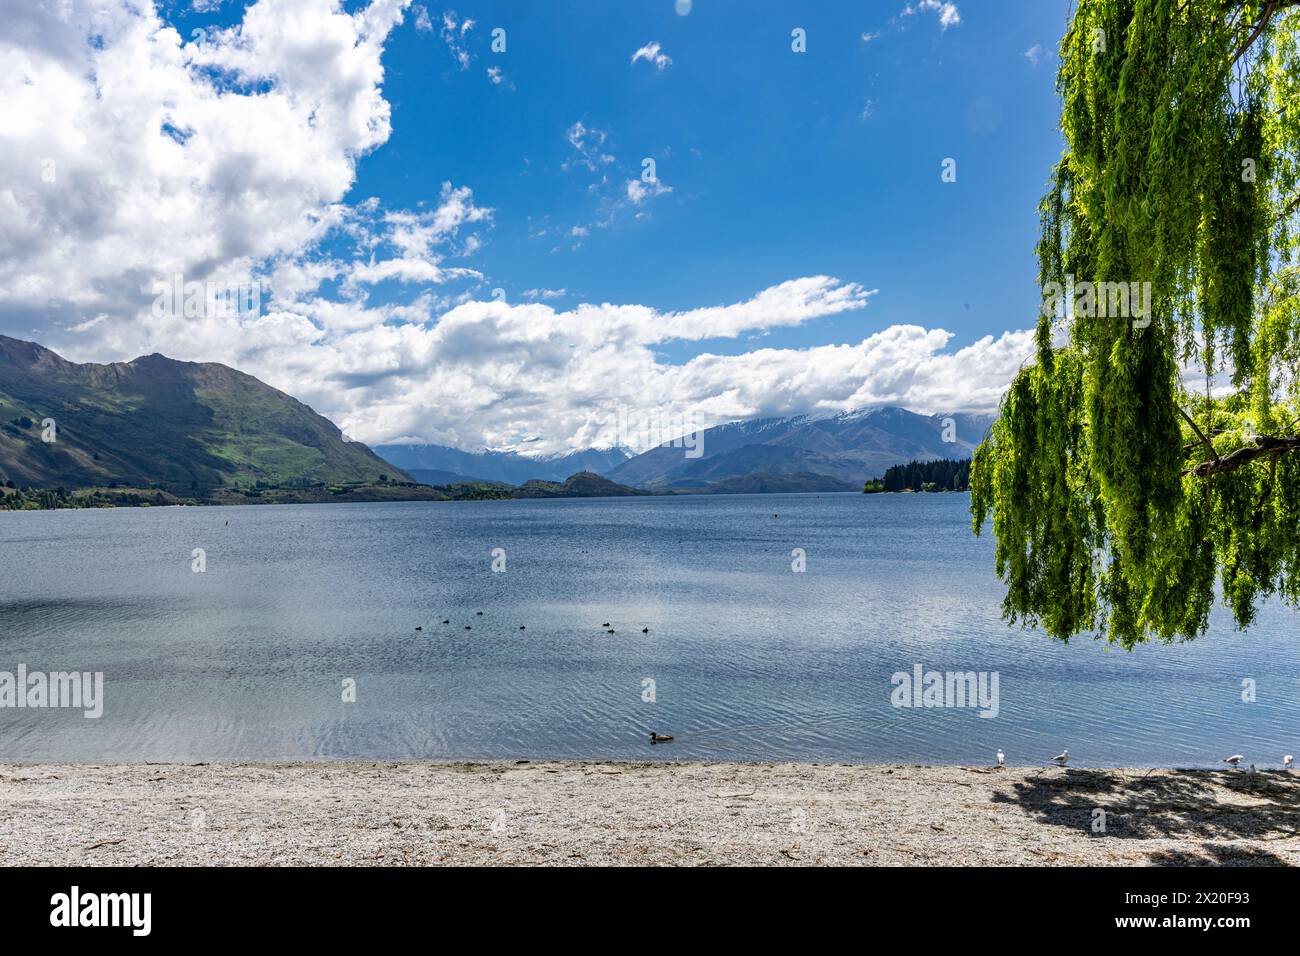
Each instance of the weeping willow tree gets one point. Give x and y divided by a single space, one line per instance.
1147 458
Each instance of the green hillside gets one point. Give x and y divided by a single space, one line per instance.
189 429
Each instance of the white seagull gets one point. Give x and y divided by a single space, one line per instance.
1287 761
1234 759
1002 759
1062 758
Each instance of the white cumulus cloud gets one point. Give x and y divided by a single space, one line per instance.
653 54
140 155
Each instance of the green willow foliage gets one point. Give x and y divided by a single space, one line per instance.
1181 169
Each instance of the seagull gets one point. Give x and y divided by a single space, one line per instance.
1234 759
1002 759
1062 758
1287 761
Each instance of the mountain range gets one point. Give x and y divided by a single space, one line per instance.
205 431
833 452
441 465
186 428
847 448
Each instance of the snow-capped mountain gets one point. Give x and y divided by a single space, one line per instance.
844 449
439 464
848 447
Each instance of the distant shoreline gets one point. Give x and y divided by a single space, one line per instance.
587 812
160 499
916 491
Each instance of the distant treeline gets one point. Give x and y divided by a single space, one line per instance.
940 475
40 499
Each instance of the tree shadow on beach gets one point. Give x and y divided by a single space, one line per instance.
1201 806
1218 854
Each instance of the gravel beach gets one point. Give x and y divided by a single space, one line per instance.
582 813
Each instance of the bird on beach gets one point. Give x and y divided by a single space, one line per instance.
1062 758
1287 761
659 738
1002 759
1234 759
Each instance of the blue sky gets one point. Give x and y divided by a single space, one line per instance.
771 166
774 170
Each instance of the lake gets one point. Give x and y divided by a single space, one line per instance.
745 658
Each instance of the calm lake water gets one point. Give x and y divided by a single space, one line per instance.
749 660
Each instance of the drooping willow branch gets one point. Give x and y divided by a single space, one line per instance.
1180 171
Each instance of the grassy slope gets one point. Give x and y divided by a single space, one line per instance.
188 428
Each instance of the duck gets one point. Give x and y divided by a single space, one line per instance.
610 631
645 630
468 628
446 620
521 627
479 613
419 628
606 624
660 738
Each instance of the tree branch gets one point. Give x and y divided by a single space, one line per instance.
1272 8
1199 434
1264 445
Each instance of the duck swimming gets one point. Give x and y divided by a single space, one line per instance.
659 738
